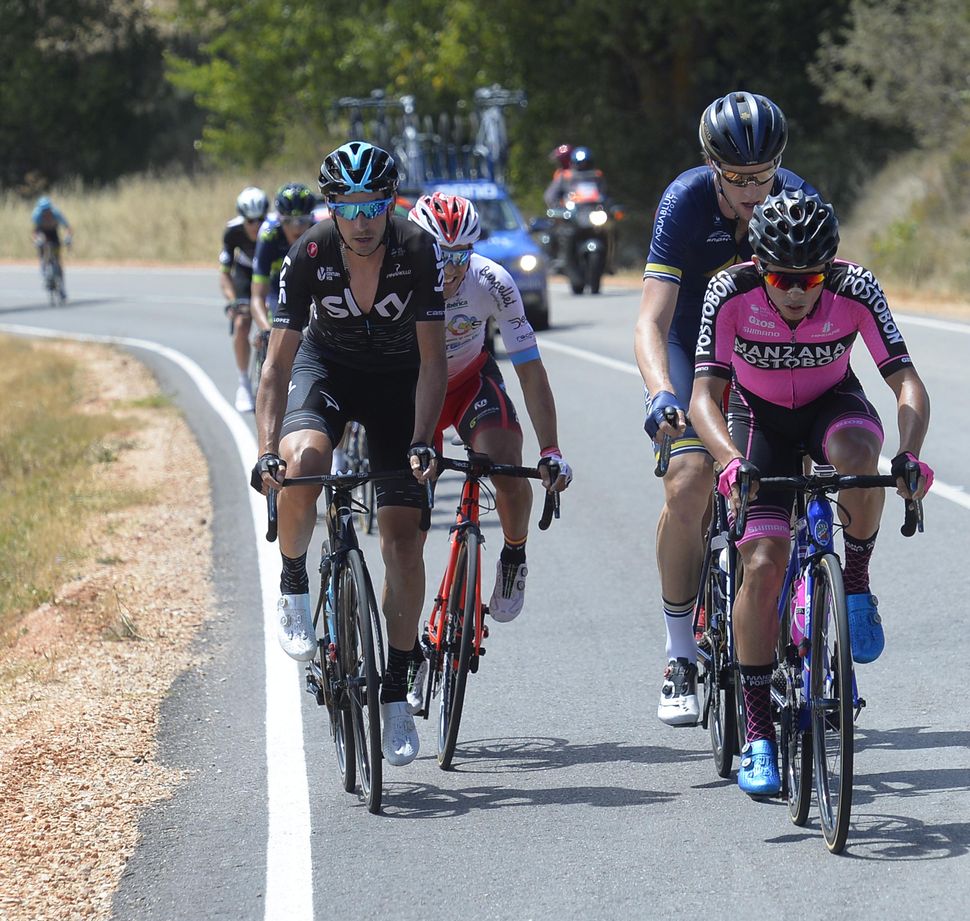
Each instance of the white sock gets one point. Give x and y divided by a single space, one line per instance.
679 621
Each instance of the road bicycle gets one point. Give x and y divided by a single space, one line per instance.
452 638
491 142
359 464
346 674
52 273
814 690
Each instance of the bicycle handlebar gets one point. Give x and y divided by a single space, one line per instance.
479 465
833 482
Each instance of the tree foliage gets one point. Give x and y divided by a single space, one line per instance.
82 92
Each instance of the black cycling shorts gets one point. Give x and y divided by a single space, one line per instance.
325 396
774 438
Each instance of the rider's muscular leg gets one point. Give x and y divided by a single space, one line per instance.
680 530
402 546
240 341
755 608
307 453
513 496
855 450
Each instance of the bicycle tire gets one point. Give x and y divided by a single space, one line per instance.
718 689
363 678
459 638
795 741
831 702
338 706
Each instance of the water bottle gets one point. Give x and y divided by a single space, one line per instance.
798 625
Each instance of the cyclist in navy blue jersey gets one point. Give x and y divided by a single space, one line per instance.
294 213
701 227
236 261
367 288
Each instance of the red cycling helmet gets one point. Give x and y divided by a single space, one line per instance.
450 219
561 155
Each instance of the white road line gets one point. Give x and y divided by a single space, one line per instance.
288 893
943 490
933 323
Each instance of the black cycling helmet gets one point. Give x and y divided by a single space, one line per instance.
358 167
794 230
294 200
742 129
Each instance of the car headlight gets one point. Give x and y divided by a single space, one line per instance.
528 263
598 218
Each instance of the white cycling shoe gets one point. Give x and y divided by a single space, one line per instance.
244 399
415 698
399 736
294 627
508 596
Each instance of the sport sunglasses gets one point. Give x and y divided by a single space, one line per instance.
370 209
740 180
456 256
785 281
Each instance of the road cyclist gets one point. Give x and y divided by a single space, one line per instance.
477 290
367 286
46 221
701 226
780 330
236 263
293 213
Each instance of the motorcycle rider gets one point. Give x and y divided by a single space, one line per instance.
581 182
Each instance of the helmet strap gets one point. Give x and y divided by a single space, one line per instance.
720 191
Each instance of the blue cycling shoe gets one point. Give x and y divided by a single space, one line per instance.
865 627
758 774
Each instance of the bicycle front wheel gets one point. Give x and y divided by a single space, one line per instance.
831 702
360 657
795 739
459 639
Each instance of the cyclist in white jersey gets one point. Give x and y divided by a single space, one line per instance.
476 403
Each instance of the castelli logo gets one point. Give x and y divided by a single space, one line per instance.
311 250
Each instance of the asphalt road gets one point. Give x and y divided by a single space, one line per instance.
569 799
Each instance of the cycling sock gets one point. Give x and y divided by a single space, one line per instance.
513 551
679 621
395 685
417 653
855 573
756 687
243 379
293 579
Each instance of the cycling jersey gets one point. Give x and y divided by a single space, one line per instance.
315 293
692 241
743 331
47 221
236 257
487 290
271 250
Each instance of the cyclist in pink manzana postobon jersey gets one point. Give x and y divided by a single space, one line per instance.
780 329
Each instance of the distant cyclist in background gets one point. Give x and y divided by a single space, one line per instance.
295 207
476 404
236 259
701 227
581 181
46 221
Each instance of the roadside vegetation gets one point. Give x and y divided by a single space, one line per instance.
55 465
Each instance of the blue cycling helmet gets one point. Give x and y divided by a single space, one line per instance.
358 167
794 229
742 129
294 200
43 203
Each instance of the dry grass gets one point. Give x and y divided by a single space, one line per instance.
55 464
175 220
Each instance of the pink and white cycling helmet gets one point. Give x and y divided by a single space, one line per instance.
450 219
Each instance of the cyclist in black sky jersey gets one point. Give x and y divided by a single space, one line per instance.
367 286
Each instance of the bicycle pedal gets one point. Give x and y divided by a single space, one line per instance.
485 628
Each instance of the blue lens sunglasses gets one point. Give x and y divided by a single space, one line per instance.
370 209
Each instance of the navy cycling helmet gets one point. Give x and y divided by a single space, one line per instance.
742 129
294 200
358 167
580 158
794 229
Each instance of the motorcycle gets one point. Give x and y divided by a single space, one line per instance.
580 240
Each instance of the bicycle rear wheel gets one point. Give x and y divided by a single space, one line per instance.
360 657
459 639
831 702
